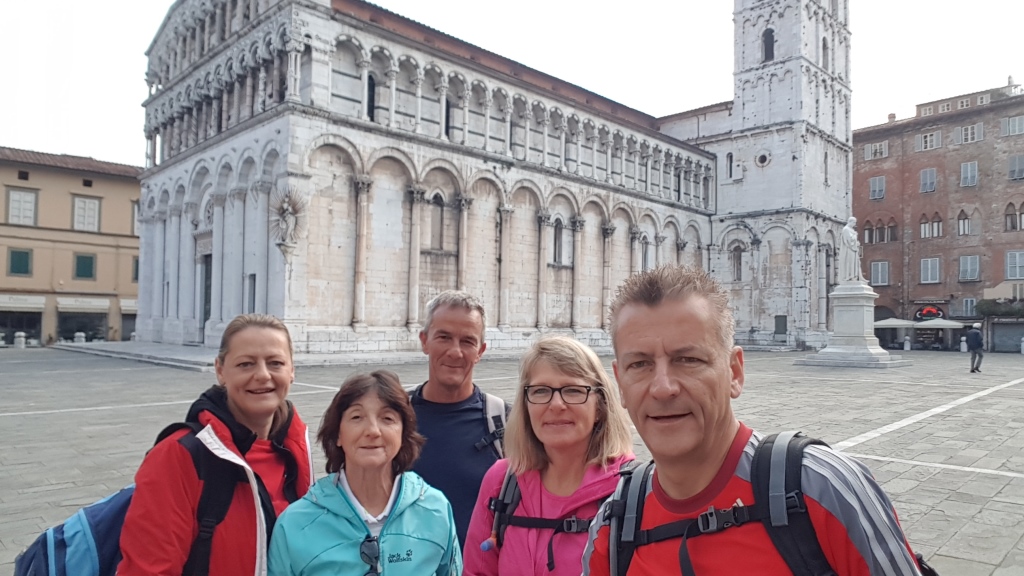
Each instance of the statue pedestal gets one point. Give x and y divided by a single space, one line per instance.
853 343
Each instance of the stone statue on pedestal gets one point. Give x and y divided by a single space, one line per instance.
849 254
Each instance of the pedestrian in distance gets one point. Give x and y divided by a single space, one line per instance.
463 425
567 439
260 457
705 506
371 515
976 346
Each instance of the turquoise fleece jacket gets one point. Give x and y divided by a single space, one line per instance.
321 533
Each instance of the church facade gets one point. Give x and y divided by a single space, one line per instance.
337 165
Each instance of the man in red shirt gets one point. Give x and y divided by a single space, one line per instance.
677 367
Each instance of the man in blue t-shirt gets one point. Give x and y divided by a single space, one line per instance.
450 409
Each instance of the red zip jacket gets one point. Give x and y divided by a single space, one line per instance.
161 523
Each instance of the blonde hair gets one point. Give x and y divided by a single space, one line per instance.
243 321
652 287
610 438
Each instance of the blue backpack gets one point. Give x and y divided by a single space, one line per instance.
88 543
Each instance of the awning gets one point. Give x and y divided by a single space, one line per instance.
129 306
22 303
895 323
939 323
86 305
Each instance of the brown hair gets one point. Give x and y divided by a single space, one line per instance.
386 386
610 438
243 321
652 287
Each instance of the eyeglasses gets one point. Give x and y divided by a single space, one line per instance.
369 551
570 394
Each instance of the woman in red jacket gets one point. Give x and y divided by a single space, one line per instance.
247 422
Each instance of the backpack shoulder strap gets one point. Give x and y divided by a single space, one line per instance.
219 478
775 475
504 505
495 411
625 510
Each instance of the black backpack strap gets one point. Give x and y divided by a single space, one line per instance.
775 475
504 506
625 513
219 478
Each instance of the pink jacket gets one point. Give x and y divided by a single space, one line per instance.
525 550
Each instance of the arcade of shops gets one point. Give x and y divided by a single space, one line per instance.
50 318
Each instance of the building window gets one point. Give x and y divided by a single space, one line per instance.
1012 126
23 175
969 267
963 103
936 226
969 304
879 273
736 260
869 234
969 134
21 207
371 98
945 107
86 183
1016 167
87 214
135 218
876 150
963 224
926 227
85 267
768 40
824 54
437 222
559 228
135 269
1011 218
983 99
19 262
927 110
928 180
877 184
929 141
969 174
929 271
728 164
891 231
645 253
1015 265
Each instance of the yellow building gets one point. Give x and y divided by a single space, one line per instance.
69 253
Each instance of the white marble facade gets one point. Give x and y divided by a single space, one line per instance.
414 168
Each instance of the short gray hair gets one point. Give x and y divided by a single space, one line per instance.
456 299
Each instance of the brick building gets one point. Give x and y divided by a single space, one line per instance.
69 249
939 200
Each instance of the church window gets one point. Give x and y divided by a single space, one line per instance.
437 222
447 118
707 190
736 262
963 224
1011 218
826 168
824 54
371 98
728 164
679 186
559 229
768 39
645 253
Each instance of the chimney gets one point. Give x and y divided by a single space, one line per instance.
892 118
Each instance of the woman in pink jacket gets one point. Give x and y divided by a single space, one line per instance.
566 439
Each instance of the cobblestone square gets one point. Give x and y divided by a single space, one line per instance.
948 446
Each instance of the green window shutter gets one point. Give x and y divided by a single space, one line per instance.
20 263
85 267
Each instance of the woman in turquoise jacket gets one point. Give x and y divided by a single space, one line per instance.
370 516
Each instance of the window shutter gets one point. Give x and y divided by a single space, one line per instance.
938 139
1004 127
918 143
79 214
885 149
980 128
867 151
958 136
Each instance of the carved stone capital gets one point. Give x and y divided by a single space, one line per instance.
680 245
607 230
659 239
175 211
238 193
417 194
220 200
159 216
543 217
506 210
362 183
634 233
577 223
462 202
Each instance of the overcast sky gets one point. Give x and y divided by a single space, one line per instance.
73 71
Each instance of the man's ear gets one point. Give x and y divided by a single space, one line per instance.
736 372
423 342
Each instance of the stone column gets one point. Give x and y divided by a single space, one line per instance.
579 150
680 246
467 95
392 76
172 243
462 204
187 267
636 169
822 289
442 92
234 232
594 144
362 183
562 129
159 237
261 103
658 241
488 102
670 169
634 248
416 198
146 266
504 275
507 114
527 125
648 158
607 230
544 224
275 84
418 82
262 238
577 270
218 25
545 120
364 76
217 283
294 70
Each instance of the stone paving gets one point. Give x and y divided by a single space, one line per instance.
948 446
